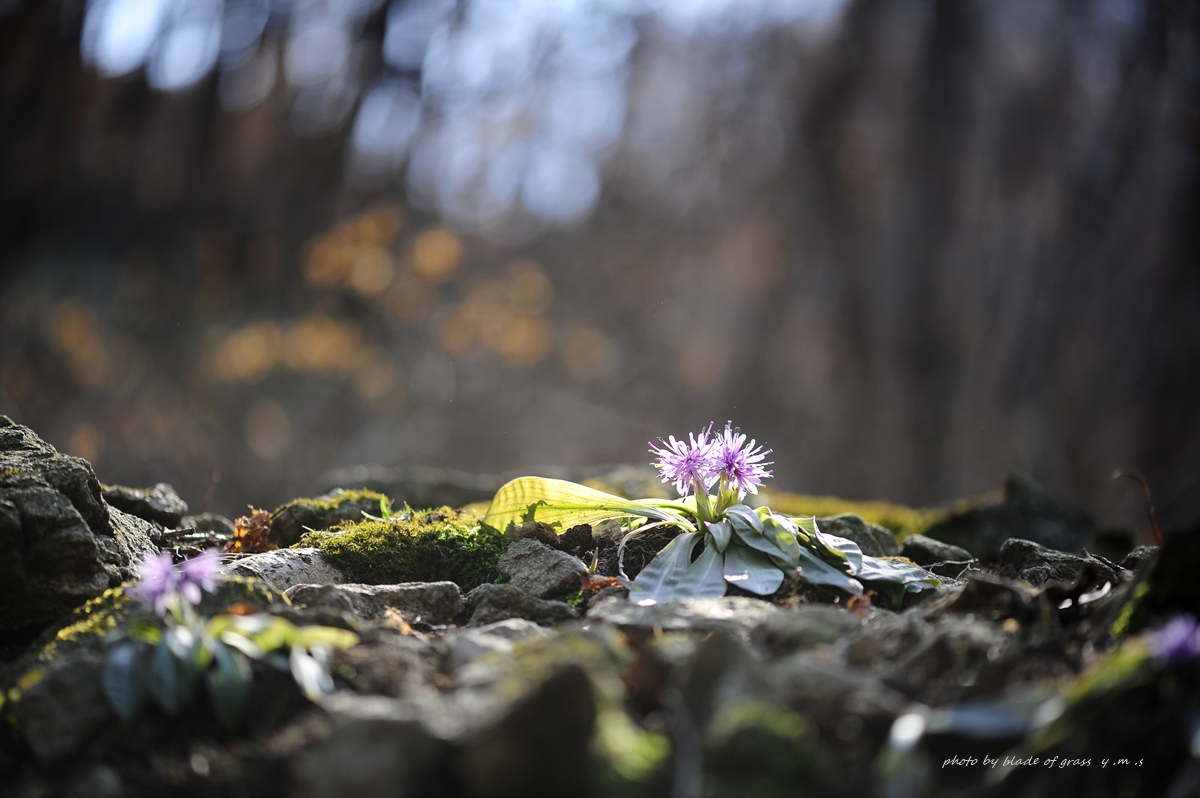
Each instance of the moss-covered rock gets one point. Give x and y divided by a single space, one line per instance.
292 520
754 748
414 546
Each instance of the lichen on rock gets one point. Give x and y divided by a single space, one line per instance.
414 546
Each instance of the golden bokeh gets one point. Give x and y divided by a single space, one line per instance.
75 333
587 352
248 353
334 259
437 254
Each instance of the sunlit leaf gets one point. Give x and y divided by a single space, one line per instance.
845 550
704 578
781 533
914 578
751 570
307 636
744 518
657 581
279 633
565 504
229 685
124 680
818 572
311 677
721 532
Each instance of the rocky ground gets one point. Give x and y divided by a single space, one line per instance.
493 664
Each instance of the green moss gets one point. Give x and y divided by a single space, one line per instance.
330 502
754 748
414 546
903 521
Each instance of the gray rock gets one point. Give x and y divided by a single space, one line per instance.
62 709
60 543
736 616
284 568
376 747
464 646
874 540
1028 512
292 520
488 604
159 504
431 602
807 625
1135 559
1039 566
825 689
540 570
926 551
209 522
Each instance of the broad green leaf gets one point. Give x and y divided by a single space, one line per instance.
657 581
565 504
124 680
307 636
914 578
743 517
705 578
846 551
755 540
751 570
721 532
818 572
167 680
312 679
229 685
783 535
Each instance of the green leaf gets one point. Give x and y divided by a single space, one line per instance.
657 581
242 644
311 677
841 549
751 570
167 680
307 636
743 517
124 680
145 630
782 533
704 578
565 504
721 532
818 572
914 578
276 634
229 685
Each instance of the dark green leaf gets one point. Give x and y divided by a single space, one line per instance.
124 680
704 577
166 679
228 685
841 549
744 518
782 533
818 572
721 532
657 581
751 570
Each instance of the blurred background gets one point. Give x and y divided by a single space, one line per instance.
913 245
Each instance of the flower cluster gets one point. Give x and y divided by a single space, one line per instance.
705 460
162 584
1177 643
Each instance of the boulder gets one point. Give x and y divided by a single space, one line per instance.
540 570
159 504
60 542
436 603
926 551
873 539
488 604
62 704
284 568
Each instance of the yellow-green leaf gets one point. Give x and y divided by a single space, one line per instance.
563 504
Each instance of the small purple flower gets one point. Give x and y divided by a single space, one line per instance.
157 580
740 463
685 464
199 573
1176 643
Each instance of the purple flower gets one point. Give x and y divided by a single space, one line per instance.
199 573
1176 643
159 580
156 580
685 464
740 463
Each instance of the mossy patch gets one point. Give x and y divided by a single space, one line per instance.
290 521
903 521
414 546
754 748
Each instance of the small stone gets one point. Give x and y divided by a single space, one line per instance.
542 533
466 645
1038 566
491 603
577 539
159 504
541 571
435 603
1139 557
284 568
807 625
874 540
734 615
927 551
